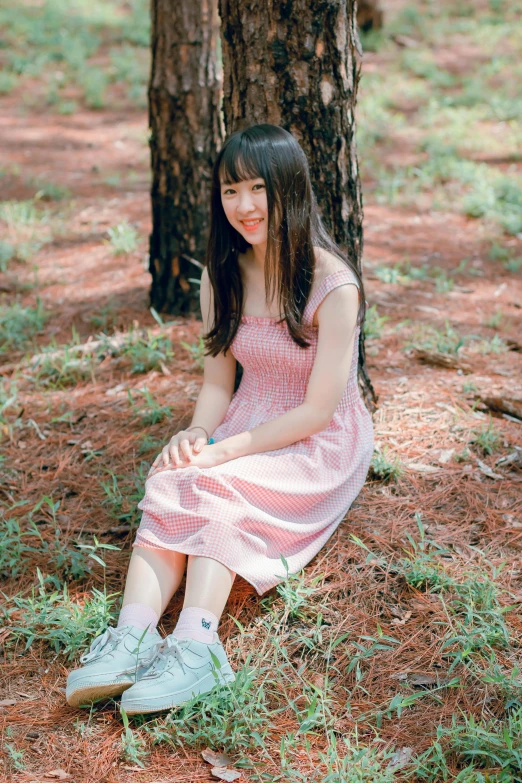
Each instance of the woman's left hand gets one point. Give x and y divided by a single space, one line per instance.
210 455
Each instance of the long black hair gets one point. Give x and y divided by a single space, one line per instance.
294 229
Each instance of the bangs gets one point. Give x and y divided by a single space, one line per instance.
241 160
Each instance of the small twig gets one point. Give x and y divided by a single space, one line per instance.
37 428
192 261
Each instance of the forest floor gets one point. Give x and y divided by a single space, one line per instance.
396 655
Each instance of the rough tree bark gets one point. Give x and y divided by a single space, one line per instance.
294 63
186 133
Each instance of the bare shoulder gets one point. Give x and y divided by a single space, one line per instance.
205 298
341 303
326 263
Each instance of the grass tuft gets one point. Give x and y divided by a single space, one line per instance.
487 439
384 467
54 618
123 238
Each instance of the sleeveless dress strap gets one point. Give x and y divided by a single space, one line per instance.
334 280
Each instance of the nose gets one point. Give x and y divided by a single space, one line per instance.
245 204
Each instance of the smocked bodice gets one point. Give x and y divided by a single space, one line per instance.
275 369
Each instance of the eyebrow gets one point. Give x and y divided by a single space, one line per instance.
228 184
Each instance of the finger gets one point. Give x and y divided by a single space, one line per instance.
166 456
185 449
174 454
199 443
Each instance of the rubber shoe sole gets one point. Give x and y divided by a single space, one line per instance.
88 694
140 706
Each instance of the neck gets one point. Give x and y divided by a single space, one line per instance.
259 254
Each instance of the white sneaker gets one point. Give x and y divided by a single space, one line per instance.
114 662
180 669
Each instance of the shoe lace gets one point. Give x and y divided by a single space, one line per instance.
161 653
111 635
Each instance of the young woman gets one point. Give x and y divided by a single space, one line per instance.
290 448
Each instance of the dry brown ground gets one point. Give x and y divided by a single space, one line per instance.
422 413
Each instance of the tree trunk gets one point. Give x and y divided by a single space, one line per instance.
369 15
186 134
294 63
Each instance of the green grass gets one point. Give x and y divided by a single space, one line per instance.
7 82
94 82
405 273
487 751
471 601
123 493
19 325
197 351
8 398
48 191
445 118
385 467
105 318
129 68
429 338
475 189
7 254
143 350
487 439
347 760
23 213
30 224
133 745
123 238
513 265
150 445
294 591
52 617
505 256
61 37
15 757
33 539
493 321
494 344
374 323
150 412
61 367
422 64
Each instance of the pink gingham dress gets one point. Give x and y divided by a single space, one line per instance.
249 511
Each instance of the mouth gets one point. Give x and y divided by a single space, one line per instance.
251 225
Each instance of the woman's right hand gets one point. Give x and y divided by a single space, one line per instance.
181 448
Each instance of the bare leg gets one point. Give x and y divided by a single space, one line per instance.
208 584
153 577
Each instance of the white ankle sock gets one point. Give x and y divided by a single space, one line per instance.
139 615
196 623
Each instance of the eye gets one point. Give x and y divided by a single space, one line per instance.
228 191
259 185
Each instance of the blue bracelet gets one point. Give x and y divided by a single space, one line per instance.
211 440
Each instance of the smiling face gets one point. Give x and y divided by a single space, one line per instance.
246 208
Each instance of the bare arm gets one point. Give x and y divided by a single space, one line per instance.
337 318
219 373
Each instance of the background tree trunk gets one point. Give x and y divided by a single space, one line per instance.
186 133
294 63
369 15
